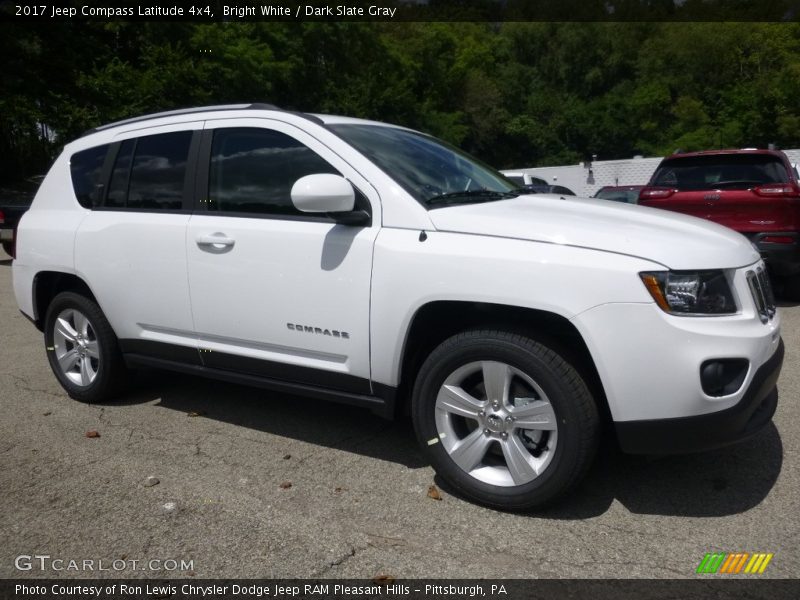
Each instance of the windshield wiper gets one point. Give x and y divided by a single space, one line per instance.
470 196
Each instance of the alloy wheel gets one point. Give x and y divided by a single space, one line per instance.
496 423
76 347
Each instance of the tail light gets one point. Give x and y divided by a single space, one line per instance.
777 190
655 193
778 239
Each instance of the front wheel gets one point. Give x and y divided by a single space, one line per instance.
82 349
504 419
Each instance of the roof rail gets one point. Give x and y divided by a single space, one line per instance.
183 111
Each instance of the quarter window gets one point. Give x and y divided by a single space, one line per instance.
253 170
86 168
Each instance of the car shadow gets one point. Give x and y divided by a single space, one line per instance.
5 262
717 483
301 418
721 482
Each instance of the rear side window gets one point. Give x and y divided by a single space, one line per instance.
253 170
86 168
721 171
149 172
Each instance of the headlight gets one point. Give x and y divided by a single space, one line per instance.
690 292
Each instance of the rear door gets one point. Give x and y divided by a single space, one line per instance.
132 247
741 191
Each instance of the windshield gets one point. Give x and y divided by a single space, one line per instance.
433 172
720 171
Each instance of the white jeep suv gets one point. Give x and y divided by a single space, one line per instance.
378 266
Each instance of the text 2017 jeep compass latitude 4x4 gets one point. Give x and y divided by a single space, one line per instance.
375 265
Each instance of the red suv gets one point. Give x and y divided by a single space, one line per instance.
755 192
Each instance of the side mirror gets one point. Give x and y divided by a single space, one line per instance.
323 193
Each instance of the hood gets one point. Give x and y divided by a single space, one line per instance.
678 242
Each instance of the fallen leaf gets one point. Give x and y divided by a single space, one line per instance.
384 579
285 485
92 434
433 492
287 456
196 413
48 413
339 490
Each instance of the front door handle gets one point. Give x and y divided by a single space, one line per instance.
217 240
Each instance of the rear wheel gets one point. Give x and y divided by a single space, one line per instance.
8 248
83 350
504 419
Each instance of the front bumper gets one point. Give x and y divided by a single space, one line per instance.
705 432
652 367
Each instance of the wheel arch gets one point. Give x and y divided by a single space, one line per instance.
48 284
437 320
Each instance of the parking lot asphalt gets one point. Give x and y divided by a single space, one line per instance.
257 484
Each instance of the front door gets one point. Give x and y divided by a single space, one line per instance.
276 292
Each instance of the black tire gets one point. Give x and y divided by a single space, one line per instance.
8 248
575 415
111 375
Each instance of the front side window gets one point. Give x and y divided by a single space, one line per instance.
253 170
86 168
149 172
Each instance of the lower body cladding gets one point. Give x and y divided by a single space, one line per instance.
659 372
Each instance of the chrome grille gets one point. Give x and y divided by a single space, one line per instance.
761 289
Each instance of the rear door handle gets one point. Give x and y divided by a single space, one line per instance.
218 240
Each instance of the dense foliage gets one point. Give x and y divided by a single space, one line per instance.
515 94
